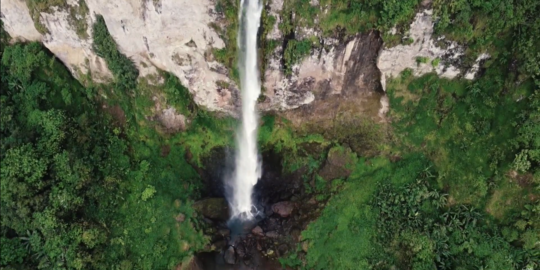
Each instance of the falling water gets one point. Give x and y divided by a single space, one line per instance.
248 166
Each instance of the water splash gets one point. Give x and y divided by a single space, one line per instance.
247 161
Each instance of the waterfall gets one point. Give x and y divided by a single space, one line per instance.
247 161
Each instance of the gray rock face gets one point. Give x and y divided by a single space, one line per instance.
344 82
173 36
172 121
17 21
394 60
272 234
341 78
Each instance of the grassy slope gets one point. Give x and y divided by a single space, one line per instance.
468 133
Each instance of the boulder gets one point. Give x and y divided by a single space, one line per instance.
339 163
191 263
272 234
214 208
284 209
257 231
230 255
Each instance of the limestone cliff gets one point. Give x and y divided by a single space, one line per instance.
345 75
171 35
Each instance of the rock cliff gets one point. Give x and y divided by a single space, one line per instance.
343 76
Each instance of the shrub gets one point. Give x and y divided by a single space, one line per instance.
123 69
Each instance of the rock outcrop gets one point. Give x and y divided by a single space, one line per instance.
171 35
339 163
17 21
338 80
425 54
61 39
283 209
340 77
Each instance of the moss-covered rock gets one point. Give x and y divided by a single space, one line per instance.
213 208
339 163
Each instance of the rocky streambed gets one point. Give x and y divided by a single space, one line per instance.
285 210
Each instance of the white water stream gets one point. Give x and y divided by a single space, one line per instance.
247 163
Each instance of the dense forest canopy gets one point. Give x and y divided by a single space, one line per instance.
453 184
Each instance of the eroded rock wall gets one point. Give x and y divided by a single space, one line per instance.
61 39
168 34
340 76
342 81
17 21
425 54
174 36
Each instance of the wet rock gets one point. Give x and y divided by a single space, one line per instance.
272 234
241 250
214 208
192 263
295 234
208 221
248 262
268 212
284 209
343 81
224 232
219 245
339 163
230 255
257 231
282 249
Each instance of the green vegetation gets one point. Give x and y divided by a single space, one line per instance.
76 13
294 52
84 190
90 180
463 193
77 18
229 54
389 214
4 37
435 62
457 185
488 25
421 60
352 17
76 192
124 70
38 6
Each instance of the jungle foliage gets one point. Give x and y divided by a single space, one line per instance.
82 190
124 70
459 186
